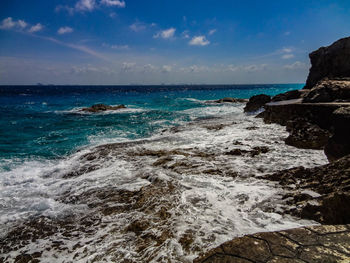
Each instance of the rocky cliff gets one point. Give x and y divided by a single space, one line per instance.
332 62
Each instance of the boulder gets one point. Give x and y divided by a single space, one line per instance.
305 135
289 95
339 144
256 102
102 107
332 62
328 91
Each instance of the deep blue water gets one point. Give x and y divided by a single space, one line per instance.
44 122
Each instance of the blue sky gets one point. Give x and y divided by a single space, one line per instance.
163 41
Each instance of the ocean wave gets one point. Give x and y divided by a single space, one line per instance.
161 198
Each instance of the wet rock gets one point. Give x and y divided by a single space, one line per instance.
305 135
339 144
328 91
321 193
255 151
289 95
256 102
332 62
102 107
231 100
306 244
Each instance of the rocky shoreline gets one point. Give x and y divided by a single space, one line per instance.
317 117
168 191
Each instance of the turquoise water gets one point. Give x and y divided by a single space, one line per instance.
44 122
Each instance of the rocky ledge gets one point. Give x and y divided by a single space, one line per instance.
102 107
308 244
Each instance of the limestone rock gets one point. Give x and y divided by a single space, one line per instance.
329 91
306 244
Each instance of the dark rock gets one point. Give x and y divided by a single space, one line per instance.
328 91
330 191
102 107
307 244
305 135
289 95
232 100
339 144
256 102
332 62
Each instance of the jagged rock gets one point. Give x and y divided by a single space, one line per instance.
306 244
339 144
289 95
327 187
332 61
256 102
328 91
103 107
232 100
305 135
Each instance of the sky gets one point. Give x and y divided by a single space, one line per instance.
122 42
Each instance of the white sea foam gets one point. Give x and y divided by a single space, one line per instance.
214 206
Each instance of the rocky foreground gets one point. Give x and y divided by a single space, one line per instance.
327 243
317 117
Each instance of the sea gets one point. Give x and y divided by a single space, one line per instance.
154 182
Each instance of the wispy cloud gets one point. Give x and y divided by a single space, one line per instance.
89 5
128 66
65 30
36 28
185 34
212 32
166 69
199 41
287 33
287 56
85 5
116 3
120 47
166 34
296 65
137 26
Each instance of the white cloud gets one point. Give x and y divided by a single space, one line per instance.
287 56
120 47
211 32
166 68
199 41
127 66
149 68
296 65
286 50
287 33
116 3
8 23
36 28
166 34
85 5
64 30
22 24
137 26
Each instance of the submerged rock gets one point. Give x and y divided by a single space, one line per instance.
306 244
256 102
232 100
332 62
102 107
